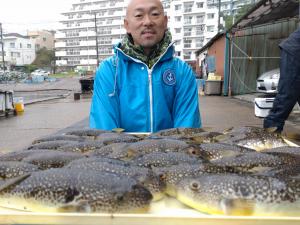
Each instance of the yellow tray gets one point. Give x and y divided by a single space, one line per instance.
174 214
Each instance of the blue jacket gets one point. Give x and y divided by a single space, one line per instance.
129 95
292 44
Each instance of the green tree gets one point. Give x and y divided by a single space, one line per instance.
228 21
243 10
44 57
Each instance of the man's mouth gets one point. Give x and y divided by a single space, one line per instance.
148 32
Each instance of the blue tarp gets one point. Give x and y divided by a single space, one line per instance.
211 64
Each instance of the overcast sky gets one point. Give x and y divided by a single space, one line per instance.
22 15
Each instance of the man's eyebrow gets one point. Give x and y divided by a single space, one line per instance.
151 9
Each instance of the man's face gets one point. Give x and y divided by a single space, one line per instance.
146 22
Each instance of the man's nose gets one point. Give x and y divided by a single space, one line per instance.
147 20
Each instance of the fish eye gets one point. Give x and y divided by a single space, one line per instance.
119 197
162 176
194 185
192 151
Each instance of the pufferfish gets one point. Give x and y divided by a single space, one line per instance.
232 194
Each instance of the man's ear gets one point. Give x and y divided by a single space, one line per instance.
126 25
166 22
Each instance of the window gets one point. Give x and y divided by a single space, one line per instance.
200 19
200 5
188 20
177 42
177 18
188 6
210 15
105 30
199 42
187 32
12 45
111 12
177 30
200 30
107 40
20 45
28 45
210 28
44 39
187 43
15 54
187 55
177 7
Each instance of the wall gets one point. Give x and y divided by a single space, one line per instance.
261 44
217 50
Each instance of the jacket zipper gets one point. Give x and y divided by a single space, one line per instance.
150 98
149 80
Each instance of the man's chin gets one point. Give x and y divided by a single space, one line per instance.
149 44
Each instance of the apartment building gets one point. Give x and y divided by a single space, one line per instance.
192 24
42 38
190 21
229 7
19 50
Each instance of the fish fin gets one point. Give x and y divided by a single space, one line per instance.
131 153
237 207
271 129
260 169
206 129
13 181
221 137
227 130
81 206
118 130
197 140
292 136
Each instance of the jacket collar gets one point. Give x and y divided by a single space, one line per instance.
168 54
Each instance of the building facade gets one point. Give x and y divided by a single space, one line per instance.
229 7
191 22
42 38
19 50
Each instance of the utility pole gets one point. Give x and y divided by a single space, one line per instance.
219 16
2 48
96 31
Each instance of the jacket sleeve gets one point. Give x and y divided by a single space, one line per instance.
104 113
186 107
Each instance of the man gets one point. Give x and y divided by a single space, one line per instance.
143 87
289 83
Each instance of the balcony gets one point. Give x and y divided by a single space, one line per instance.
60 35
88 62
60 44
88 52
60 53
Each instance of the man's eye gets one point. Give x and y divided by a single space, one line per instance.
155 14
138 16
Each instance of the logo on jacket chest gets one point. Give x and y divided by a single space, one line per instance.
169 77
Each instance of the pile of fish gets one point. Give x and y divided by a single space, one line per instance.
241 171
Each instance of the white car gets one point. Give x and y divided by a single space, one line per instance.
40 72
268 82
